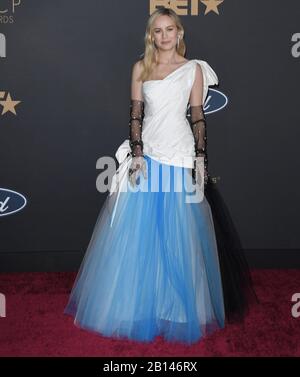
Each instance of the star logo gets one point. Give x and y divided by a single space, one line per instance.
8 104
212 5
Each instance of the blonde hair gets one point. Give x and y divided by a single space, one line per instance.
149 58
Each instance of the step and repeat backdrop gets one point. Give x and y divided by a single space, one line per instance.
65 71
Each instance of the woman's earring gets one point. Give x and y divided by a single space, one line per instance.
178 41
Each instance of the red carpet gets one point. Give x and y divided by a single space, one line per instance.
36 326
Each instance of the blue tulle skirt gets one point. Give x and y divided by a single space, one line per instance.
151 267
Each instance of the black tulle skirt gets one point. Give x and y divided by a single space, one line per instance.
237 283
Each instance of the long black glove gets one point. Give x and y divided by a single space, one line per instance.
196 118
136 143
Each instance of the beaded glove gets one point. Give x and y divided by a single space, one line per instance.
136 144
197 121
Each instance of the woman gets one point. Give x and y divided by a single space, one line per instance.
164 259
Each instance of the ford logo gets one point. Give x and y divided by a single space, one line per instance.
11 202
215 101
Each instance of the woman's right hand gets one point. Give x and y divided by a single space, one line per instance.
137 164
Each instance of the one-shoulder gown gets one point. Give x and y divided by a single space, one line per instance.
152 266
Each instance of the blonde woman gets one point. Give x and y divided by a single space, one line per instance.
162 261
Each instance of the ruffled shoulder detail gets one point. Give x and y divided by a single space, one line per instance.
209 76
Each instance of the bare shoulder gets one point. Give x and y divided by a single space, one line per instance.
136 83
137 68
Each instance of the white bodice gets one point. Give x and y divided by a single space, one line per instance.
166 132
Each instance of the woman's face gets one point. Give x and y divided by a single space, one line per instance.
165 33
